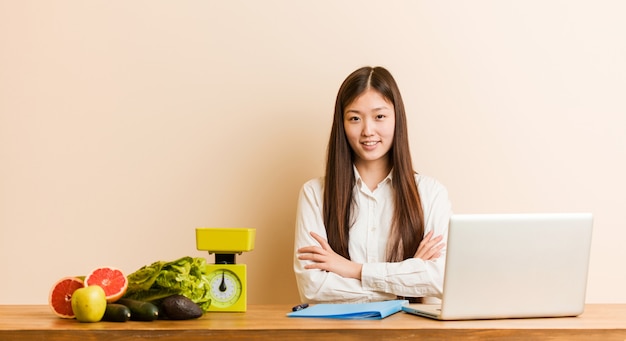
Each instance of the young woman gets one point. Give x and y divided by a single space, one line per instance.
371 229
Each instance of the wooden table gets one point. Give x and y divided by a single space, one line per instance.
37 322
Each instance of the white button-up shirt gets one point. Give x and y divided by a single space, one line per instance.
380 280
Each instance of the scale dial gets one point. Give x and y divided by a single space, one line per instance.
225 288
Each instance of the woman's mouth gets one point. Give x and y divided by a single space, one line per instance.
369 144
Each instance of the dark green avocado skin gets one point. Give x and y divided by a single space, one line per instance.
179 307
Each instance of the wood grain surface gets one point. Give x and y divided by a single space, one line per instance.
37 322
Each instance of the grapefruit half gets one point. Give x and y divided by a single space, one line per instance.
60 298
112 280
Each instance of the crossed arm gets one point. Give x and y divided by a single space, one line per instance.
324 258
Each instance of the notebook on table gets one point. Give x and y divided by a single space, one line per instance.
513 266
352 311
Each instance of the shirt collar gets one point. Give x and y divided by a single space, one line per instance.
359 181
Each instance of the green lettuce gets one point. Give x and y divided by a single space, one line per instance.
186 276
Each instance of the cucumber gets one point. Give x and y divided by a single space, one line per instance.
116 313
140 310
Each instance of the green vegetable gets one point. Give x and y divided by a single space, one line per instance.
186 276
139 310
116 313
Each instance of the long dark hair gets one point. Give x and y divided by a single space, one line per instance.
408 219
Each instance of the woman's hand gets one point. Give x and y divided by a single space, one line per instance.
430 248
324 258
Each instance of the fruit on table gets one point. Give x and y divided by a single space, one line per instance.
179 307
89 303
60 297
112 280
140 310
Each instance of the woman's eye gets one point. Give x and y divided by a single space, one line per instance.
380 116
353 118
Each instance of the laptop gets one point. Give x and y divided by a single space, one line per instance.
513 266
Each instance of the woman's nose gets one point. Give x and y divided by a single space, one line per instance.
368 128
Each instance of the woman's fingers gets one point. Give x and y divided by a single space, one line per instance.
324 248
315 253
310 249
433 252
323 243
430 248
324 258
427 237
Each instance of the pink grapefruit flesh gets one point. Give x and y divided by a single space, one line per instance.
60 298
112 280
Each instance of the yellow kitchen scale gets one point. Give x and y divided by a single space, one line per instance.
227 280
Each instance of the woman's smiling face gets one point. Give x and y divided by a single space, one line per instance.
369 123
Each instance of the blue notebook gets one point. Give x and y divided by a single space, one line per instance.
352 311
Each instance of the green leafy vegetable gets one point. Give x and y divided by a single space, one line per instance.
185 276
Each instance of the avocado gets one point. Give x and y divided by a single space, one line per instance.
179 307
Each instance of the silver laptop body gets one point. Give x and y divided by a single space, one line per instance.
514 266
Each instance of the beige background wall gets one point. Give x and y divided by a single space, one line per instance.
124 125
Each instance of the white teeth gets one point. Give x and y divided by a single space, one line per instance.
369 143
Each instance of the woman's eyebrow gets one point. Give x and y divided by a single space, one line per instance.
374 109
382 108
